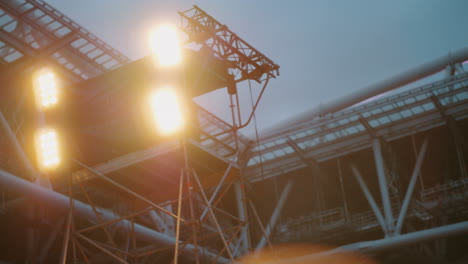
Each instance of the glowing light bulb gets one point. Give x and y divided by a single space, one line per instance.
166 110
45 89
165 45
47 148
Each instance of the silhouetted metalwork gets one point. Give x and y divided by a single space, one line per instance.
240 56
400 161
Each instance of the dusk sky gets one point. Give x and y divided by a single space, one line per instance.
326 48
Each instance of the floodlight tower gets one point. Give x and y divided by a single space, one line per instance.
166 85
169 118
164 101
245 63
46 91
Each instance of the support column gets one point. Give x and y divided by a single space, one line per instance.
241 209
370 199
343 193
409 192
276 213
379 163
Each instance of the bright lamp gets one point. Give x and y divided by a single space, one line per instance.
166 110
165 45
45 88
47 148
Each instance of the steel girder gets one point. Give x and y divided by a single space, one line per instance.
399 80
342 133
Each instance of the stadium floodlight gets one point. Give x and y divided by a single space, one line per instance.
166 110
165 45
45 86
47 148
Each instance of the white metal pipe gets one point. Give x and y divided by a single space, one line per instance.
369 198
360 95
409 192
410 238
379 163
60 201
276 213
241 212
385 244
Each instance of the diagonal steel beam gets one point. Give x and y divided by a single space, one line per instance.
409 192
218 187
369 198
276 213
312 163
379 163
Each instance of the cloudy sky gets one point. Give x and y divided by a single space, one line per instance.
326 48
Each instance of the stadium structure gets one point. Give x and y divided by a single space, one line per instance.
381 172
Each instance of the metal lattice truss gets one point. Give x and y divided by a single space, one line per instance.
32 28
149 233
30 31
344 132
245 60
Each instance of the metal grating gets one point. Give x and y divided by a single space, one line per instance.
28 27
